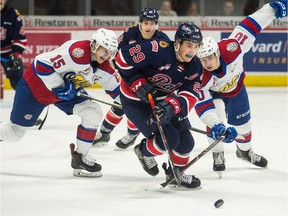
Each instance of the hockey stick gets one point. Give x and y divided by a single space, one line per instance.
175 171
200 155
43 121
118 106
198 130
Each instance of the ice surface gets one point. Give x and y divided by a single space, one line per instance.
36 177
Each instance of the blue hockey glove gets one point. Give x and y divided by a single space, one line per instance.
217 131
67 92
230 135
142 88
280 7
167 109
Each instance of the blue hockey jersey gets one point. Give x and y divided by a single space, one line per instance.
155 60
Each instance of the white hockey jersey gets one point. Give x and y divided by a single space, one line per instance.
72 60
229 78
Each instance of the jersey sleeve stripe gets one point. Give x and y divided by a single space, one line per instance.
251 25
203 107
121 63
43 69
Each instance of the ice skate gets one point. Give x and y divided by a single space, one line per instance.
252 157
83 165
187 181
126 141
102 138
219 163
149 164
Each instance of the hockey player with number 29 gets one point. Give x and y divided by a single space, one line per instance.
145 30
171 73
223 80
55 78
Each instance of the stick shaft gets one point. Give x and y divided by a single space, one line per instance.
200 155
118 106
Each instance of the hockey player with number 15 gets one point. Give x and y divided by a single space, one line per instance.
55 78
223 80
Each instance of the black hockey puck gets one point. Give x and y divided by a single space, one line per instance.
218 203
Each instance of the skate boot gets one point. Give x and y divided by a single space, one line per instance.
149 164
188 181
219 163
83 165
102 138
126 141
252 157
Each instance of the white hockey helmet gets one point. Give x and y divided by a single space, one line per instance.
209 46
105 38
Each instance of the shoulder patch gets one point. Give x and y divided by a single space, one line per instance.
232 46
163 44
78 52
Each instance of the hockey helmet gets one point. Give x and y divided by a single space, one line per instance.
209 46
149 14
105 38
188 32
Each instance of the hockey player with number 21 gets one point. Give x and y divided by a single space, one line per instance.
170 73
223 80
55 78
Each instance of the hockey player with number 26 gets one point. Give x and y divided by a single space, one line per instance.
170 73
223 80
55 78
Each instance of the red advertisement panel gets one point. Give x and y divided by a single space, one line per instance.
42 42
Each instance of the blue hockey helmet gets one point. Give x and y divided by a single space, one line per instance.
149 14
188 32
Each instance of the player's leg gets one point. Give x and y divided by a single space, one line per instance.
25 112
180 157
83 162
239 116
112 118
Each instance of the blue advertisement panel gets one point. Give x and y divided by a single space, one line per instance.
268 53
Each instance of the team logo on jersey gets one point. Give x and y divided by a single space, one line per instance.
165 67
230 85
78 52
163 44
232 46
28 116
191 77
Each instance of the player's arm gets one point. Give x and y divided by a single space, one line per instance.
205 107
246 32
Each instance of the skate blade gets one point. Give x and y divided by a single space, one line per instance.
182 188
219 174
100 144
85 173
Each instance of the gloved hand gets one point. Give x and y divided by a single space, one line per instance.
14 63
219 130
280 7
167 109
230 135
141 88
67 92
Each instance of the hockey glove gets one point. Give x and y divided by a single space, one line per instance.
167 109
280 7
230 135
14 63
219 130
67 92
142 88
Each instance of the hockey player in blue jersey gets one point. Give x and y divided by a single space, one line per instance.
13 43
170 72
146 29
223 81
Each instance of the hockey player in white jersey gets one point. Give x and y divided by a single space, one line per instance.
223 80
55 78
